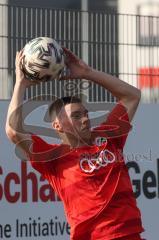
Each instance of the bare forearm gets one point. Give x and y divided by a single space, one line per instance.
118 88
14 116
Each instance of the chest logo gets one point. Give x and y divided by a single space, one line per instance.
90 163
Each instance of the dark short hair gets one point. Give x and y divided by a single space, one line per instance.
56 106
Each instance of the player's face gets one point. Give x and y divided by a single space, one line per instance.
75 120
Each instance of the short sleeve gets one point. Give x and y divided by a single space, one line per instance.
117 126
42 155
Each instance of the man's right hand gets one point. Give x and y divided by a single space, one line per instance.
20 78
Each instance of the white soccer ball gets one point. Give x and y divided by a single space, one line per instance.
43 59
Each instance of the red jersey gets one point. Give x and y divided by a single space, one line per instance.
93 181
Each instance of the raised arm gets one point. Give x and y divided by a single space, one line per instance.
125 93
14 129
128 95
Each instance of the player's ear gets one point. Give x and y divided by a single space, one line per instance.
57 126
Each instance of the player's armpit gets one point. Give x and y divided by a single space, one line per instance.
23 143
30 147
131 106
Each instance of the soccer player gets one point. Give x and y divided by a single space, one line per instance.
87 170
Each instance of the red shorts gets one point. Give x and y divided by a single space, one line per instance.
135 236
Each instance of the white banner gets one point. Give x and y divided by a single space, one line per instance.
142 149
29 209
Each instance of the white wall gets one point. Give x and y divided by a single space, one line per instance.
129 7
132 57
